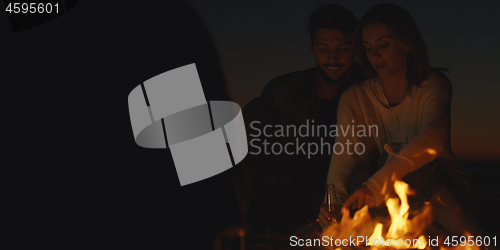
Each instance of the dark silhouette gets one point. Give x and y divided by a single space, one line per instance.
76 176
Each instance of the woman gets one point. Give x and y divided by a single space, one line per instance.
406 106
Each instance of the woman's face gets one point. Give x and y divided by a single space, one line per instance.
386 55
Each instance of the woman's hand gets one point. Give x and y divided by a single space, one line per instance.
363 196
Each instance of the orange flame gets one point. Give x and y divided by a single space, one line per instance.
360 225
400 230
377 234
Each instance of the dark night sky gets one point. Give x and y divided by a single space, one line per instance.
259 40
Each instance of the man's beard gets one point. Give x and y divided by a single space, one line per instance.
339 80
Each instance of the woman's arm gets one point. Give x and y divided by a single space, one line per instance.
427 145
347 163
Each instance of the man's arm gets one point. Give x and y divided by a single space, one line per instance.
256 114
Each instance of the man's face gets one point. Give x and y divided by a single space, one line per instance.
334 54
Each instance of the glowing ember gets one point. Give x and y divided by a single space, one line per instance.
431 151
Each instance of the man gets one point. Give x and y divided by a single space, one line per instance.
289 184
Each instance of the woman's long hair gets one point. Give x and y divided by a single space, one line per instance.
404 30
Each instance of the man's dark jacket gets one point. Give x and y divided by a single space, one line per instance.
286 190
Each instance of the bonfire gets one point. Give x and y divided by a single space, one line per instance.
398 232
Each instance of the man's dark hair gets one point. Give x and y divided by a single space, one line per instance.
331 16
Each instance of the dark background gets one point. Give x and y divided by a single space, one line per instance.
75 177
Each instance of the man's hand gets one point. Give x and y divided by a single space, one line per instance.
363 196
326 218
